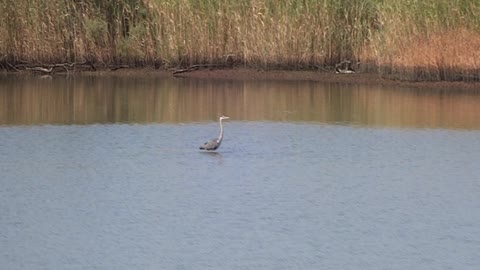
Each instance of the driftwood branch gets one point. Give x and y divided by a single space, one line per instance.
113 68
13 67
49 69
40 69
197 67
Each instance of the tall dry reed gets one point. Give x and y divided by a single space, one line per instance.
430 39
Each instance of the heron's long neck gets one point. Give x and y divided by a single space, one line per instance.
220 137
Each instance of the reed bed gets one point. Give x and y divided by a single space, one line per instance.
412 40
428 40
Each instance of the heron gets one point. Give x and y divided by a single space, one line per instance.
215 143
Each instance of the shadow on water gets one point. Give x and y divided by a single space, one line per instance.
87 99
211 153
212 157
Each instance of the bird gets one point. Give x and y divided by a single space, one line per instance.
215 143
344 71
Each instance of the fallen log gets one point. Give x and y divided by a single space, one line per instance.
40 69
197 67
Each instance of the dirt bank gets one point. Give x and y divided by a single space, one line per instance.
363 78
279 75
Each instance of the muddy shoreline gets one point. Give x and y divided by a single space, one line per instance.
322 76
278 75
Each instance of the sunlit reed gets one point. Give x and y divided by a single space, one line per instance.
414 40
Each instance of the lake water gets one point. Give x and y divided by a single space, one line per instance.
104 172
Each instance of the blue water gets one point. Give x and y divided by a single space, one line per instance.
278 195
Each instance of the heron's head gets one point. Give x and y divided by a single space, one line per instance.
224 117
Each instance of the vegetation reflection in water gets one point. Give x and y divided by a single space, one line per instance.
88 99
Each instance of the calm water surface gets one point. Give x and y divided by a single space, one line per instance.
104 172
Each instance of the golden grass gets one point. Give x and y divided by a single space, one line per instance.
428 40
414 40
444 55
